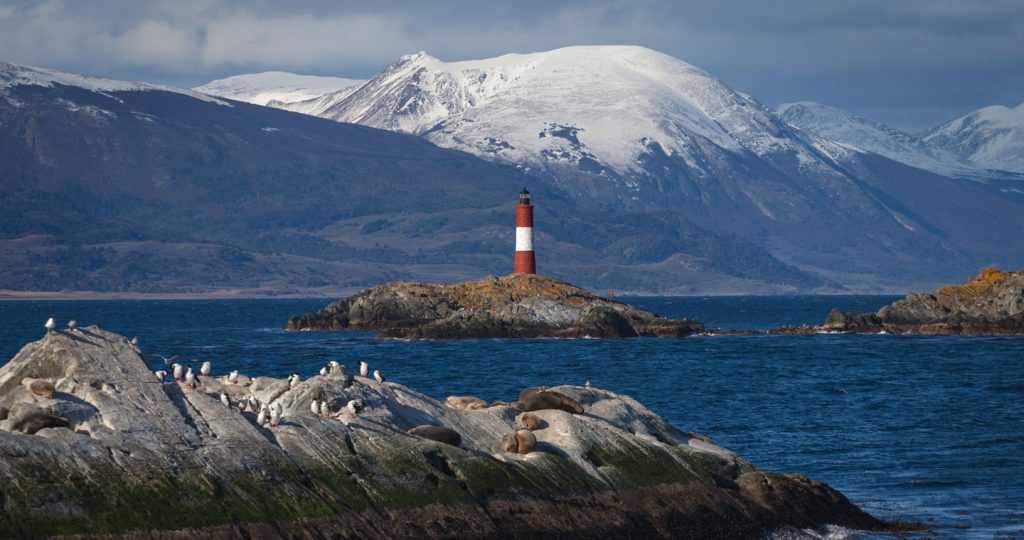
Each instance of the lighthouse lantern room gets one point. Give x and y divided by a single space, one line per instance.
524 263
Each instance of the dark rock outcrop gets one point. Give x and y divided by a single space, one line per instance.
510 306
991 303
142 458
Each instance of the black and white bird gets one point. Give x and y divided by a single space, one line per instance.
243 404
333 365
161 375
167 361
225 400
233 377
205 368
275 418
323 371
135 341
190 378
276 406
354 407
72 325
364 369
325 408
293 380
254 404
261 417
50 325
314 406
378 376
177 370
587 384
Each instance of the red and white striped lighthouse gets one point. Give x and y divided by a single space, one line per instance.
525 263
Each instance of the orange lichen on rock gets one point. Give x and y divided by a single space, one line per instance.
977 284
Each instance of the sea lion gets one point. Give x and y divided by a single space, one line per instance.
38 420
40 387
514 404
520 442
465 402
530 421
437 433
550 400
531 390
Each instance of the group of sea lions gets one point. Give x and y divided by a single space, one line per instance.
522 441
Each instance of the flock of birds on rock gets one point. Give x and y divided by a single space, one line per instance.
267 415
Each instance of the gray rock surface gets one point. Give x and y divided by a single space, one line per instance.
140 457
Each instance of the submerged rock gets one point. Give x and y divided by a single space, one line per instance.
991 302
510 306
139 457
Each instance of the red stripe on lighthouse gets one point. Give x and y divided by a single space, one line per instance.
524 261
524 215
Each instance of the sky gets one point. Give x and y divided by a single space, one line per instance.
910 63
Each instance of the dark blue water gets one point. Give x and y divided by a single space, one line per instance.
913 427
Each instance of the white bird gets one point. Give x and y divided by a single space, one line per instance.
167 361
72 324
325 409
254 404
314 406
275 418
162 374
261 418
364 369
233 377
135 341
587 384
190 378
333 365
205 368
243 404
354 406
293 380
378 376
323 371
50 325
224 399
177 372
277 407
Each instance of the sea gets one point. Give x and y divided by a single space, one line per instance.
917 428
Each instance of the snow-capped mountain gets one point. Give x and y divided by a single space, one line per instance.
843 127
18 75
625 127
992 137
276 87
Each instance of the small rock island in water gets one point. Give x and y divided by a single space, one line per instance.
93 443
990 303
517 305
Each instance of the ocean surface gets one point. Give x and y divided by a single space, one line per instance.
927 428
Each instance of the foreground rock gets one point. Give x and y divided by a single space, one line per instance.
991 302
143 458
510 306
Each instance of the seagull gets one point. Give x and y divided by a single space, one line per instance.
233 377
323 371
224 399
135 341
190 378
261 418
162 374
50 325
177 372
205 368
72 325
314 406
378 376
364 369
167 361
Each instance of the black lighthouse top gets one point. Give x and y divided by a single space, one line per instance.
524 197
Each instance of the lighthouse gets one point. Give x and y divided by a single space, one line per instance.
525 263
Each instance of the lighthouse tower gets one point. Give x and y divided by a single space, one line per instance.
525 263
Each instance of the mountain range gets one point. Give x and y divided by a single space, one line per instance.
627 128
649 175
121 186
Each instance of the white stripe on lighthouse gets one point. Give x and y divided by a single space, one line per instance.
524 238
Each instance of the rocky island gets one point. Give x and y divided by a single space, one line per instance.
518 305
93 443
990 303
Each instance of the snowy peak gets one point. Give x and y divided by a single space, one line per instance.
871 136
16 75
618 101
278 87
992 137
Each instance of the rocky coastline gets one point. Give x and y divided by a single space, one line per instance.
990 303
523 306
94 444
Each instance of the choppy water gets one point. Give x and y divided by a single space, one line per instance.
913 427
